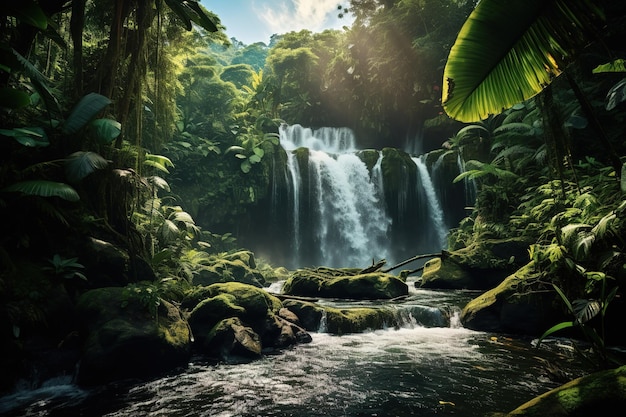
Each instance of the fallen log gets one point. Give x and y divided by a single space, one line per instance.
415 258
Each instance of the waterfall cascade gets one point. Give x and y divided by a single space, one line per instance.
340 210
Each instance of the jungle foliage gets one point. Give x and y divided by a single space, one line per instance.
140 122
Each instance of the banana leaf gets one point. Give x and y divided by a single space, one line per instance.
508 51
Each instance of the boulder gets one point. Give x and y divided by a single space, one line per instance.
480 266
125 338
232 341
509 308
370 286
602 392
227 270
341 321
222 314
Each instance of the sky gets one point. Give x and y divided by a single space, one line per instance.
253 21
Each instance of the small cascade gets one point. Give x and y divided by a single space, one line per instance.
323 328
435 212
276 287
415 315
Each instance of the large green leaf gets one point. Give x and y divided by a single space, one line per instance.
86 109
40 82
44 188
28 12
80 164
12 98
28 136
105 130
191 11
508 51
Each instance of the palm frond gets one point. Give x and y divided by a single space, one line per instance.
511 151
506 52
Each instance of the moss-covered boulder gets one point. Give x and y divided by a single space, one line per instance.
513 307
259 316
371 286
601 392
126 338
341 321
233 341
231 270
479 266
446 275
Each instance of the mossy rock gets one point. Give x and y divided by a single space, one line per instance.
254 307
124 339
512 307
227 270
341 321
357 320
585 396
372 286
245 256
232 341
445 275
310 314
480 266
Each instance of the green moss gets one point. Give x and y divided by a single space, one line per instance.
369 157
356 320
254 300
583 396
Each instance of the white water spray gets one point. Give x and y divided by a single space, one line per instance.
345 210
436 215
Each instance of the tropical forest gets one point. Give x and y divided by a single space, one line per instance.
422 213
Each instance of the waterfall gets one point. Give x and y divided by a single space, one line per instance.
470 185
341 206
338 214
294 180
435 212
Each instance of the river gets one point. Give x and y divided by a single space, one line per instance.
425 368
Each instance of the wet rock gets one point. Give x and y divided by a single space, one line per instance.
213 308
341 321
602 392
232 341
480 266
125 338
507 308
371 286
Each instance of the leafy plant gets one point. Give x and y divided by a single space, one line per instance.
147 294
65 268
583 311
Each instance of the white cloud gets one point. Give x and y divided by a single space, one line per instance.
295 15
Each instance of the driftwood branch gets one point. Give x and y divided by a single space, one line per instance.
375 267
415 258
